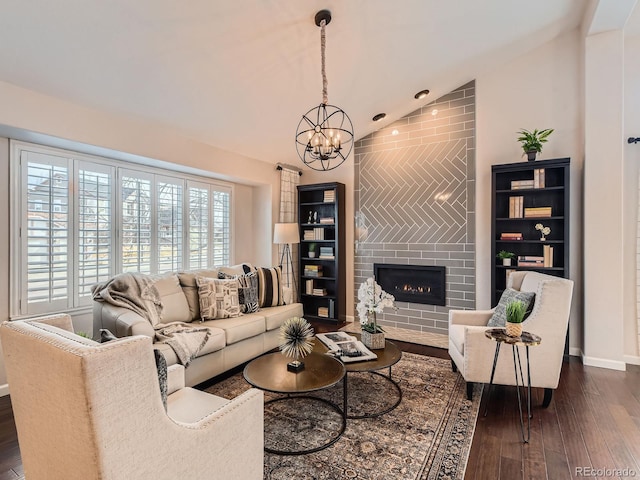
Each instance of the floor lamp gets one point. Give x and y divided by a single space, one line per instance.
286 234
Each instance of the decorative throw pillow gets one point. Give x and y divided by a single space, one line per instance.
161 365
499 318
247 290
218 298
106 336
270 287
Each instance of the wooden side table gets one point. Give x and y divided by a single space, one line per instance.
499 335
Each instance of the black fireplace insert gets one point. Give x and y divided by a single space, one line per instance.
412 283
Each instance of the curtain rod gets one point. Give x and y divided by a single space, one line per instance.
280 166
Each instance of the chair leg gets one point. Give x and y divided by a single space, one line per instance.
469 390
454 367
548 393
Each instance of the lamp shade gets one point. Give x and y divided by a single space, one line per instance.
286 233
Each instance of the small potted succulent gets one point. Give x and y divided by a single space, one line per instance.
532 141
312 250
515 316
505 257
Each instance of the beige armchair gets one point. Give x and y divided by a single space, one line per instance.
86 410
472 353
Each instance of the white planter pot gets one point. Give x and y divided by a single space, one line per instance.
506 262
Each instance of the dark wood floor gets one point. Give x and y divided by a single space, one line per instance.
592 422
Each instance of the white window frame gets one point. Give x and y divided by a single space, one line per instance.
76 161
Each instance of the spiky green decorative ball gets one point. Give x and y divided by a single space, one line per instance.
296 334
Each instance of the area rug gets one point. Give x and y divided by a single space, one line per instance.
428 436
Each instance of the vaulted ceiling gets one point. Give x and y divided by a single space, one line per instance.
239 74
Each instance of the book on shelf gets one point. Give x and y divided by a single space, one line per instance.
326 253
547 255
329 196
521 184
530 261
319 292
537 212
332 307
345 347
315 234
313 270
323 312
327 220
515 206
511 236
308 287
538 178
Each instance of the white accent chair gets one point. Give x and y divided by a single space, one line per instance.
86 410
472 353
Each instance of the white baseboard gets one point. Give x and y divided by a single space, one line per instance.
632 359
4 390
604 363
575 352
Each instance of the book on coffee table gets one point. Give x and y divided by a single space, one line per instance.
346 347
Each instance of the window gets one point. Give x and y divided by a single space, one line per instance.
80 219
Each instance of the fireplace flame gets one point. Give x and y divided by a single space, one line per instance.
408 288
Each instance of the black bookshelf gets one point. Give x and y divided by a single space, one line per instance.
554 193
327 201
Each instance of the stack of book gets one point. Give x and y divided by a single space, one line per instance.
315 234
530 261
538 178
516 205
323 312
329 196
510 236
326 253
326 220
537 212
521 184
547 254
313 270
319 292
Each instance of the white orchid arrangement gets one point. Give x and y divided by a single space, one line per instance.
372 300
543 230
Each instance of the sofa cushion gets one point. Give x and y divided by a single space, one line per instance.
499 318
218 298
216 341
239 328
270 286
174 304
190 289
275 316
239 269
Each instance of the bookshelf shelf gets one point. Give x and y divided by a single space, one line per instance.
332 306
554 194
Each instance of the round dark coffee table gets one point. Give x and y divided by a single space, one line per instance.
269 373
387 358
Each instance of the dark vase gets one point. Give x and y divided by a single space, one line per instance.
531 155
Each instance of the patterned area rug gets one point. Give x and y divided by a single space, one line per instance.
428 436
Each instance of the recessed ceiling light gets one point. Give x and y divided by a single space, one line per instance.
395 131
421 94
379 116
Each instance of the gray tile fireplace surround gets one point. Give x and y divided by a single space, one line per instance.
415 204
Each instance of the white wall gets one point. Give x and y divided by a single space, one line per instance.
630 194
537 90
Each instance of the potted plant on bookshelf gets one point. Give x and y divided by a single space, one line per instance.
515 315
312 250
505 257
371 301
532 141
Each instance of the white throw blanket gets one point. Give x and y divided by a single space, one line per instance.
138 293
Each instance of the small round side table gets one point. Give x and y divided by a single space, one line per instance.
499 335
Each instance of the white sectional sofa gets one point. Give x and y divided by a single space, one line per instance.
232 342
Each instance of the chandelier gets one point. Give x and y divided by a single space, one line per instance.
324 137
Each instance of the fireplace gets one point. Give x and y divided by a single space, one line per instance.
412 283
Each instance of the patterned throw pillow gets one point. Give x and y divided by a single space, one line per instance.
247 292
161 365
499 318
270 287
218 298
